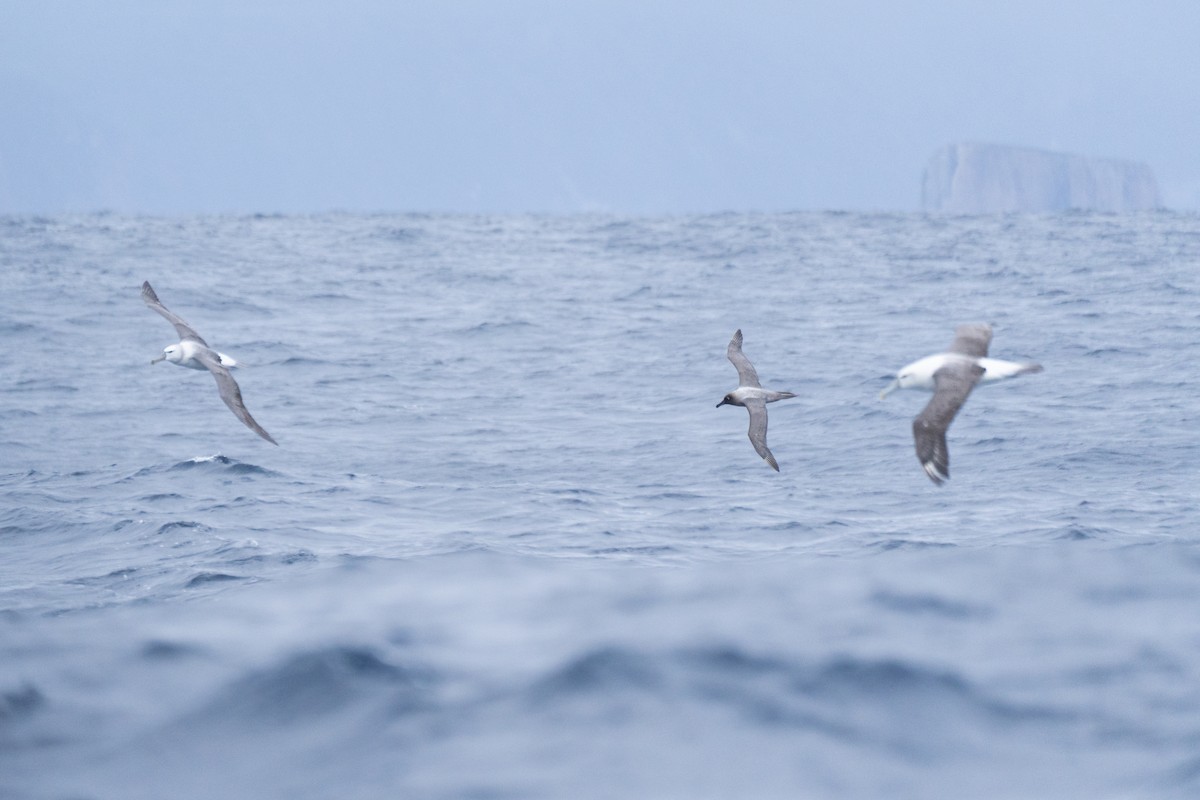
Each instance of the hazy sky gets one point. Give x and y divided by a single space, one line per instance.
170 106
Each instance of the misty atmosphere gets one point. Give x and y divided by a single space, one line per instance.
585 400
528 106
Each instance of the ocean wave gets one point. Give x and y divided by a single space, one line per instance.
41 385
931 604
603 671
897 543
491 327
182 525
216 463
14 327
867 701
21 709
400 234
164 650
161 496
295 361
205 578
643 594
226 464
286 559
20 702
313 684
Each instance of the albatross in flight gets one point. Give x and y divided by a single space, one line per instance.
950 376
193 352
751 396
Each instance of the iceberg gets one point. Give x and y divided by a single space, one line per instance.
971 178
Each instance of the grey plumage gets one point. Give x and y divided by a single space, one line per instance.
747 375
185 331
231 393
953 383
758 430
751 396
972 340
192 351
951 376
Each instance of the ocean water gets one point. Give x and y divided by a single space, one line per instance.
509 548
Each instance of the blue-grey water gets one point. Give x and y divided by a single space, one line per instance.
509 548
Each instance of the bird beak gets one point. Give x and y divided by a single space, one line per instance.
891 388
156 360
721 403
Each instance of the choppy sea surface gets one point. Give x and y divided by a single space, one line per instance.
509 548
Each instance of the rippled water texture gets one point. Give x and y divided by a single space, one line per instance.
507 546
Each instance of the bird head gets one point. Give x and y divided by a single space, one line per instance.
172 353
904 380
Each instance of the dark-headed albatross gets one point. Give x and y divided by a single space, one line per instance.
751 396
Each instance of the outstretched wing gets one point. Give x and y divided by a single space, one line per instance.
972 340
232 395
746 374
758 430
953 383
184 330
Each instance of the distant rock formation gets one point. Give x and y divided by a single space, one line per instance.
987 178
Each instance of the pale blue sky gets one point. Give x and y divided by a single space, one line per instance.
170 106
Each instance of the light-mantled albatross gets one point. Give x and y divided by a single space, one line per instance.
751 396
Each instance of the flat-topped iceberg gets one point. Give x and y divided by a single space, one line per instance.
974 178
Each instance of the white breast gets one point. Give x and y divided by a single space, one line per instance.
744 393
190 351
919 374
